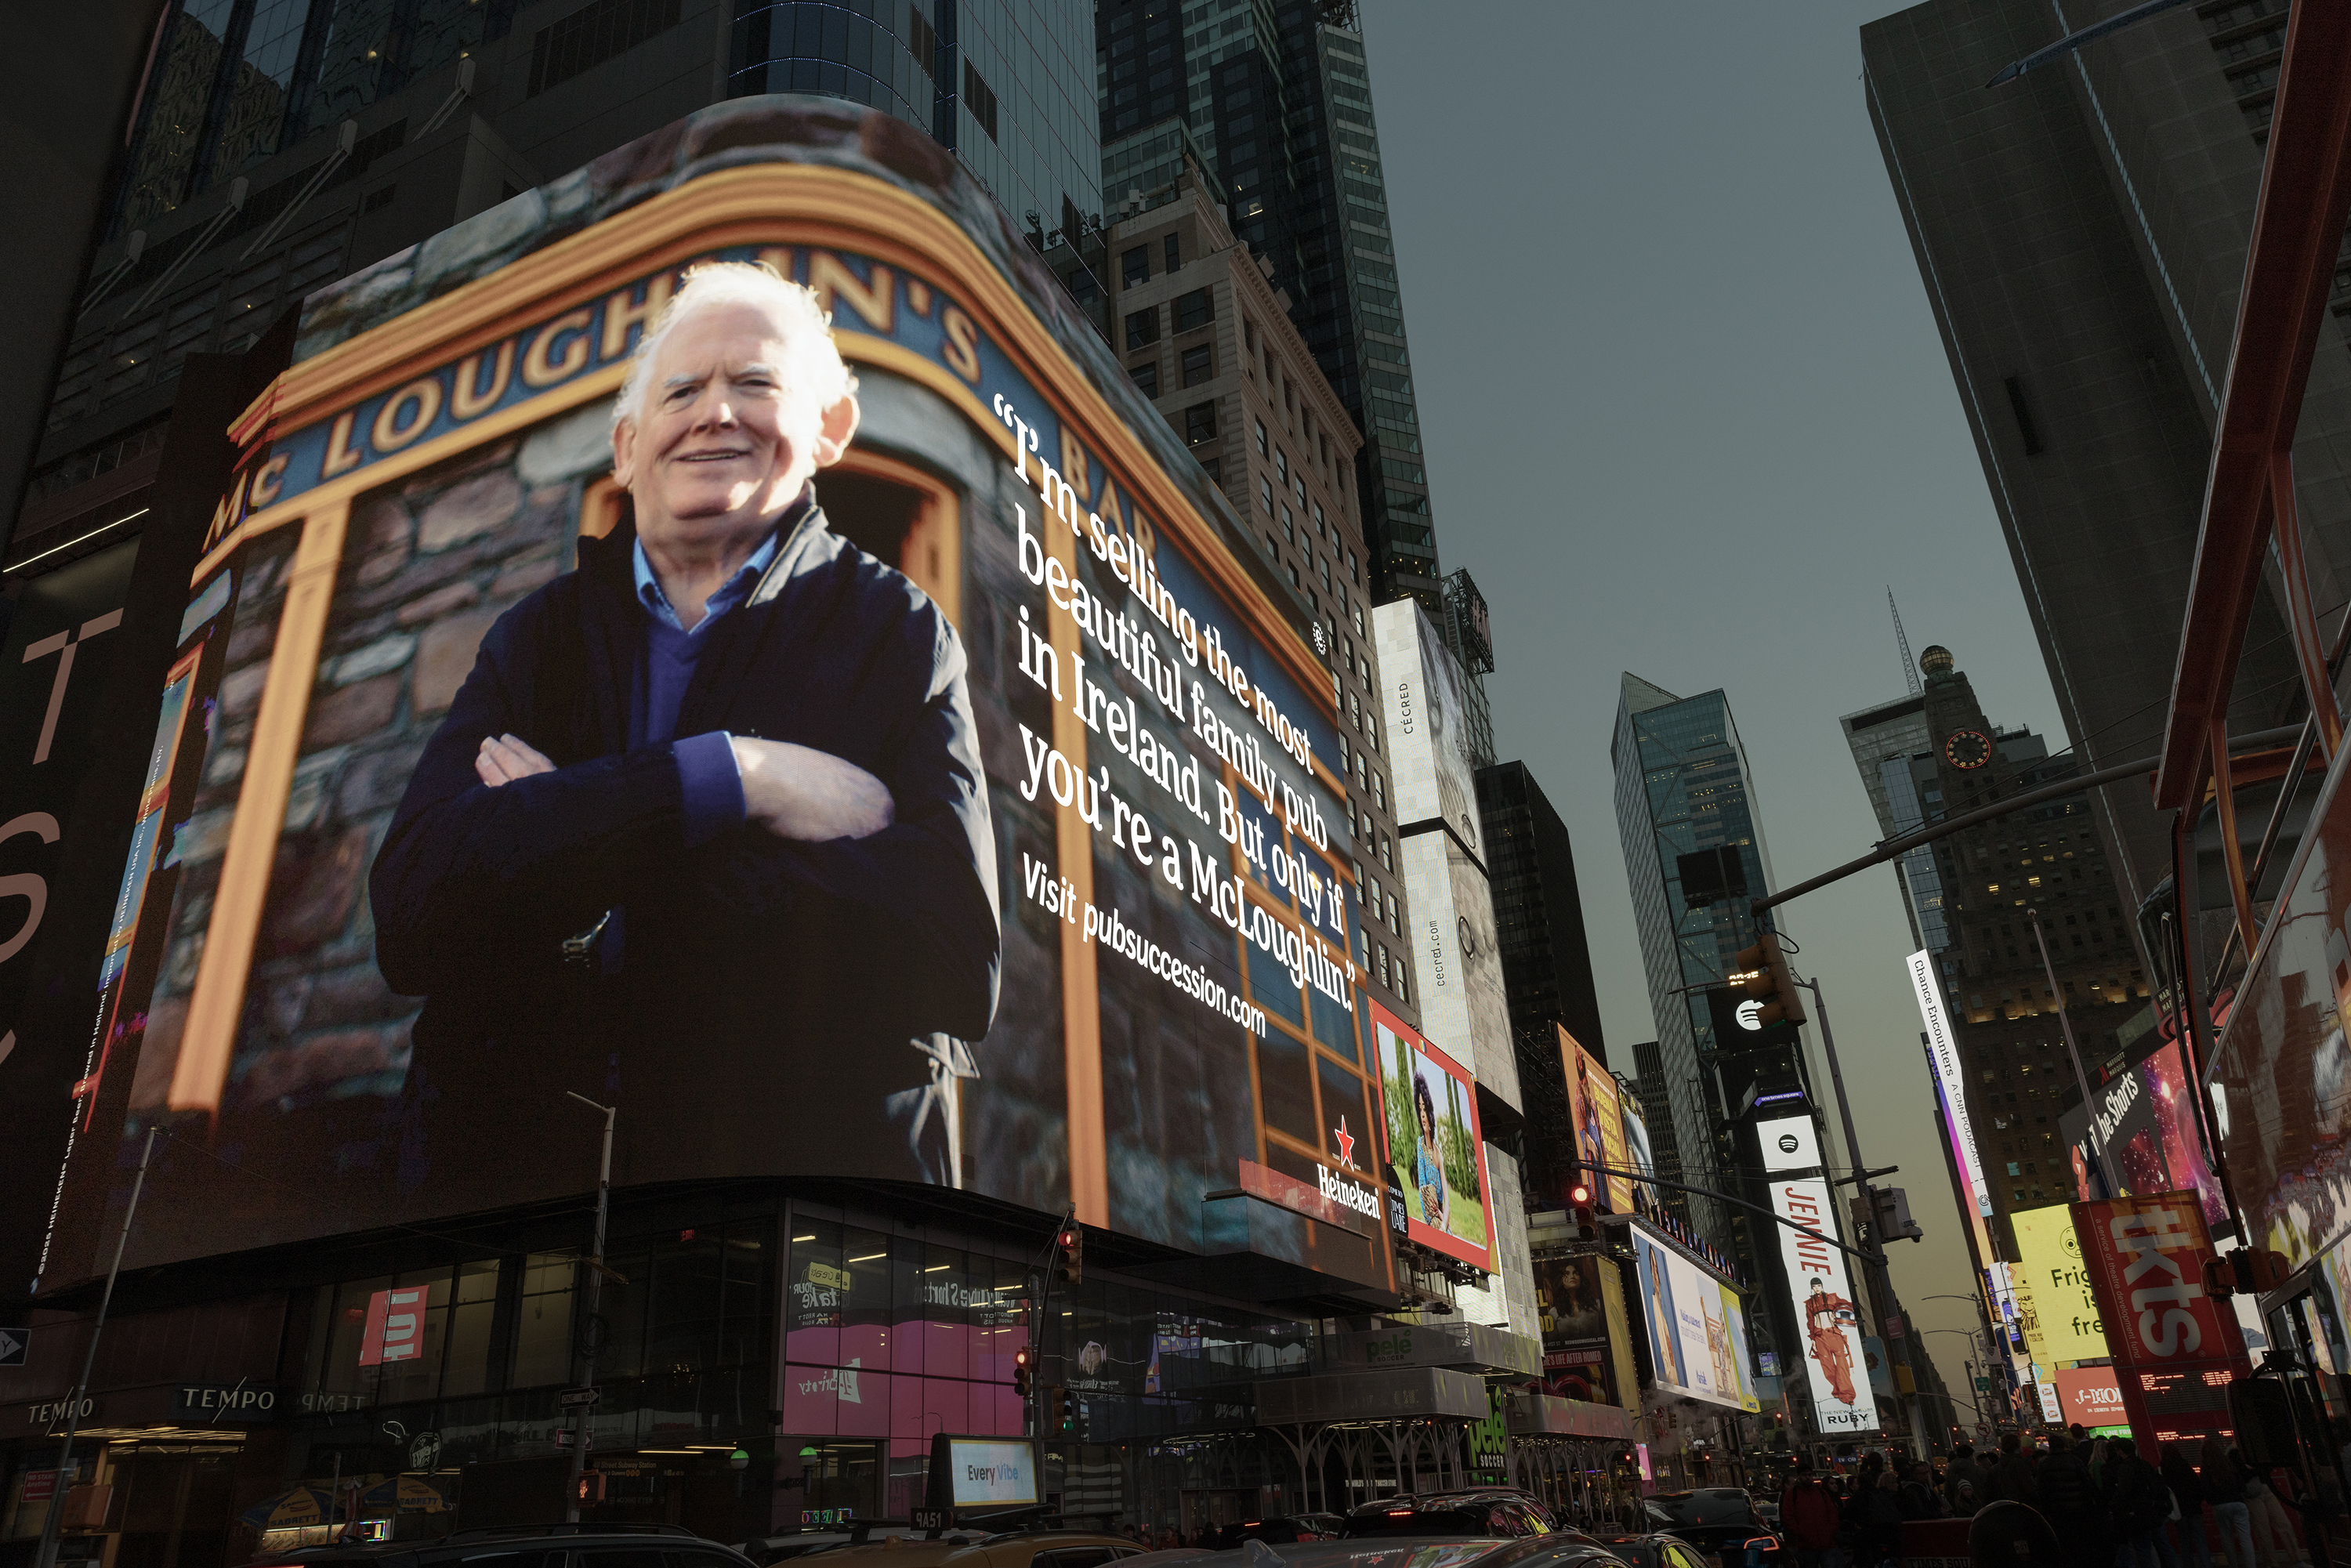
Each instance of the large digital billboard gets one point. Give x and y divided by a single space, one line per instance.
1456 957
1695 1325
2139 1134
1434 1145
1826 1307
2052 1289
1950 1076
1596 1109
1639 1156
2279 1077
2176 1350
910 773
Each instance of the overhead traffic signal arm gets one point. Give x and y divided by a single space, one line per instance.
1762 972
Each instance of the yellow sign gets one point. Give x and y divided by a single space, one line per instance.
2061 1317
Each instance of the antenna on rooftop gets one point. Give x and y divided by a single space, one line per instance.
1909 665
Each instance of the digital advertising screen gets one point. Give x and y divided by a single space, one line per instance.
990 1472
1826 1307
1950 1074
2139 1136
2279 1077
2176 1350
1568 1299
1597 1110
1457 958
1639 1156
1434 1144
979 828
2091 1396
1694 1325
2054 1295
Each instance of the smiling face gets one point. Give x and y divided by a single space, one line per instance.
725 435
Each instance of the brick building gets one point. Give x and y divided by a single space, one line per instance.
1197 319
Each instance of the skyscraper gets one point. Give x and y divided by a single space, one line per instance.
277 147
1694 858
1278 98
1937 754
1546 966
2081 233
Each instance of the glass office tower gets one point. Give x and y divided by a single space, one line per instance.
1278 98
1683 789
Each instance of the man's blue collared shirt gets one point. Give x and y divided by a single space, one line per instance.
705 763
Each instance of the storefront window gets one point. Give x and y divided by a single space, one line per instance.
542 1353
473 1311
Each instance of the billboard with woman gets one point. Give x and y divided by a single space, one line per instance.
1434 1145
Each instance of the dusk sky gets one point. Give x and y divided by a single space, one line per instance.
1687 413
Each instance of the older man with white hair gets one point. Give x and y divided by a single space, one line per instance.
706 831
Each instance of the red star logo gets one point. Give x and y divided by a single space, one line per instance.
1346 1143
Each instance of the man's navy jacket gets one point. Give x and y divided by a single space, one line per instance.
765 990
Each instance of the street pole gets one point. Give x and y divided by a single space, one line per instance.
46 1555
2066 1023
588 1330
1881 1284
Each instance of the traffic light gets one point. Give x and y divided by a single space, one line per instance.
1059 1419
1578 1202
1072 1243
1761 971
588 1491
2246 1271
1024 1371
1894 1221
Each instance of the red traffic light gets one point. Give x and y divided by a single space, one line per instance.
1024 1358
1066 1238
1579 1195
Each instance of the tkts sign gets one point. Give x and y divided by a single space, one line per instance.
2176 1350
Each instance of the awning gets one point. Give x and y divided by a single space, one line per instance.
1532 1414
1400 1396
409 1494
292 1510
1466 1346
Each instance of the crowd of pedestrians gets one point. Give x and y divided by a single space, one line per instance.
2100 1498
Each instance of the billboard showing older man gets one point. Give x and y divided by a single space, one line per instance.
722 637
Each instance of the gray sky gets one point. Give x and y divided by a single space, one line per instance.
1687 414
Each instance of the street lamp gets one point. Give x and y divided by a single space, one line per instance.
596 1271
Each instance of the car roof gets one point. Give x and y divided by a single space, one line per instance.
469 1542
1437 1499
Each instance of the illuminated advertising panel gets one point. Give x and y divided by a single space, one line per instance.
1434 1144
2059 1310
990 811
1639 1156
1788 1144
1570 1298
2176 1350
1457 961
991 1472
1943 1052
1598 1113
1695 1327
2091 1396
1834 1364
2139 1134
1617 1189
2278 1074
393 1329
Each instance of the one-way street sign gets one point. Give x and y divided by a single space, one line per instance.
14 1343
573 1398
